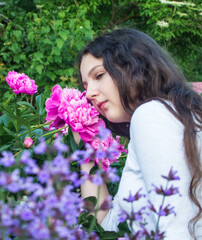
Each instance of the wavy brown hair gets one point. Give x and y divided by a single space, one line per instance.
143 71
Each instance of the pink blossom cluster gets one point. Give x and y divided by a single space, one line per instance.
21 83
71 107
108 150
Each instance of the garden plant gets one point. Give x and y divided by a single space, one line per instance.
42 105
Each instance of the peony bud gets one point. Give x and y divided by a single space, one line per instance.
28 142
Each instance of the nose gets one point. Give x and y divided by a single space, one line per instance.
92 91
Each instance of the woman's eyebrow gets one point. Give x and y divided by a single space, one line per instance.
92 69
90 72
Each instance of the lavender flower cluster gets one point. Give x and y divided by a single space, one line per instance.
138 216
43 201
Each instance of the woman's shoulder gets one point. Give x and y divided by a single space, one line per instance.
152 108
155 113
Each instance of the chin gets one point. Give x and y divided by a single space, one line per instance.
114 119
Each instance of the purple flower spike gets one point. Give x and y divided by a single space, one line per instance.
61 147
166 210
123 216
41 147
110 175
104 133
97 179
172 175
166 192
7 160
135 197
107 204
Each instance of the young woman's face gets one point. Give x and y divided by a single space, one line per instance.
101 89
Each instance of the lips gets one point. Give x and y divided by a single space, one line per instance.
101 105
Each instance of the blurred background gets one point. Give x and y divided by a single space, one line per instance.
43 38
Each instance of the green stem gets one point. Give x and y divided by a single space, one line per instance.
8 100
35 127
96 211
157 224
18 152
40 137
49 133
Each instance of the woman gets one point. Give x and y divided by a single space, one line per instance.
130 79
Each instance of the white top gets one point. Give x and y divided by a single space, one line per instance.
155 146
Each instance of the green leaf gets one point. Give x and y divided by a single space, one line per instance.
73 144
60 43
56 51
4 119
37 133
40 103
39 68
3 148
93 170
81 145
17 34
10 132
109 235
31 36
90 203
45 29
47 41
63 34
38 55
61 14
23 103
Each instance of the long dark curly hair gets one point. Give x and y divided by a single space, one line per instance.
143 71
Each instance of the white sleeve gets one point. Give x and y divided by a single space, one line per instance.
157 138
156 145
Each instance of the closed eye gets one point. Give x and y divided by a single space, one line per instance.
99 76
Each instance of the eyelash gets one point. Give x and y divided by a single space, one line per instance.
99 76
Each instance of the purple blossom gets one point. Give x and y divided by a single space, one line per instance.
61 147
31 167
41 147
13 187
135 197
123 216
172 175
151 207
44 174
107 204
26 214
8 159
166 210
97 179
110 175
137 216
39 230
157 235
165 192
3 179
100 154
104 133
60 165
80 156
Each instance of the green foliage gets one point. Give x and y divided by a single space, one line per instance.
45 42
43 38
176 25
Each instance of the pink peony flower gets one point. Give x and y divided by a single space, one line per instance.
71 107
197 87
28 142
21 83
